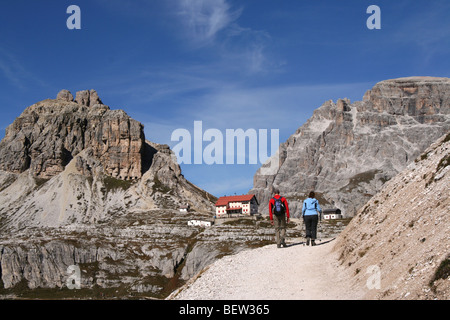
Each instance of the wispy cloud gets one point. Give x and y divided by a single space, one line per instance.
11 69
14 71
215 24
205 18
225 105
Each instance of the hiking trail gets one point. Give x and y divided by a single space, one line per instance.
297 272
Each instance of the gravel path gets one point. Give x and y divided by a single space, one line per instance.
293 273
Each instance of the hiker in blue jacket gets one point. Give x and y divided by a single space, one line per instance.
311 213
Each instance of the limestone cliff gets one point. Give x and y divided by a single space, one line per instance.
50 133
80 185
69 162
347 151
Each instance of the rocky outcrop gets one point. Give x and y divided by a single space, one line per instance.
347 151
398 242
66 163
144 254
118 141
50 133
80 186
87 98
65 95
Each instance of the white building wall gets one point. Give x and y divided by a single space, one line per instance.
248 208
199 223
222 210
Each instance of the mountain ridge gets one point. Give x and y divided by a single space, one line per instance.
347 151
67 202
73 160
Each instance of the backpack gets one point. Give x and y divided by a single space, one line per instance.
278 207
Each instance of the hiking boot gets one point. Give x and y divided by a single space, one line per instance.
307 241
284 245
313 242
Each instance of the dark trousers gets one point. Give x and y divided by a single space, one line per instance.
311 226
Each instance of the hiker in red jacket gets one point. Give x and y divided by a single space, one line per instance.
279 217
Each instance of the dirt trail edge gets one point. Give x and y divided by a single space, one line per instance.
297 272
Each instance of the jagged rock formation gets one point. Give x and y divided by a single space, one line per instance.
66 163
50 133
404 231
80 185
87 98
347 151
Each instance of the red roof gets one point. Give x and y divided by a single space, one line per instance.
223 201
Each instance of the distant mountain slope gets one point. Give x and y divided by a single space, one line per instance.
347 151
404 231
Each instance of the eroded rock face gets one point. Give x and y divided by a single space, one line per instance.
118 141
48 134
74 163
80 186
145 254
347 151
87 98
65 95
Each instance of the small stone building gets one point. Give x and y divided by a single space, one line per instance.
185 208
199 223
331 214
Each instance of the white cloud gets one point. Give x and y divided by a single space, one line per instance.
205 18
236 106
214 24
273 107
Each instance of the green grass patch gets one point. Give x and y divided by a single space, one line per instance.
115 184
40 182
158 186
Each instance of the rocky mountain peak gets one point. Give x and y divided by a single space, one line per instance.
347 151
87 98
48 134
80 161
413 96
65 95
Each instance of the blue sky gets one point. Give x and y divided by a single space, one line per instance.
259 64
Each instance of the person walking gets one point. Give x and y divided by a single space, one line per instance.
279 217
311 214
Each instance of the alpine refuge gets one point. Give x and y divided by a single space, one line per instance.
243 204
